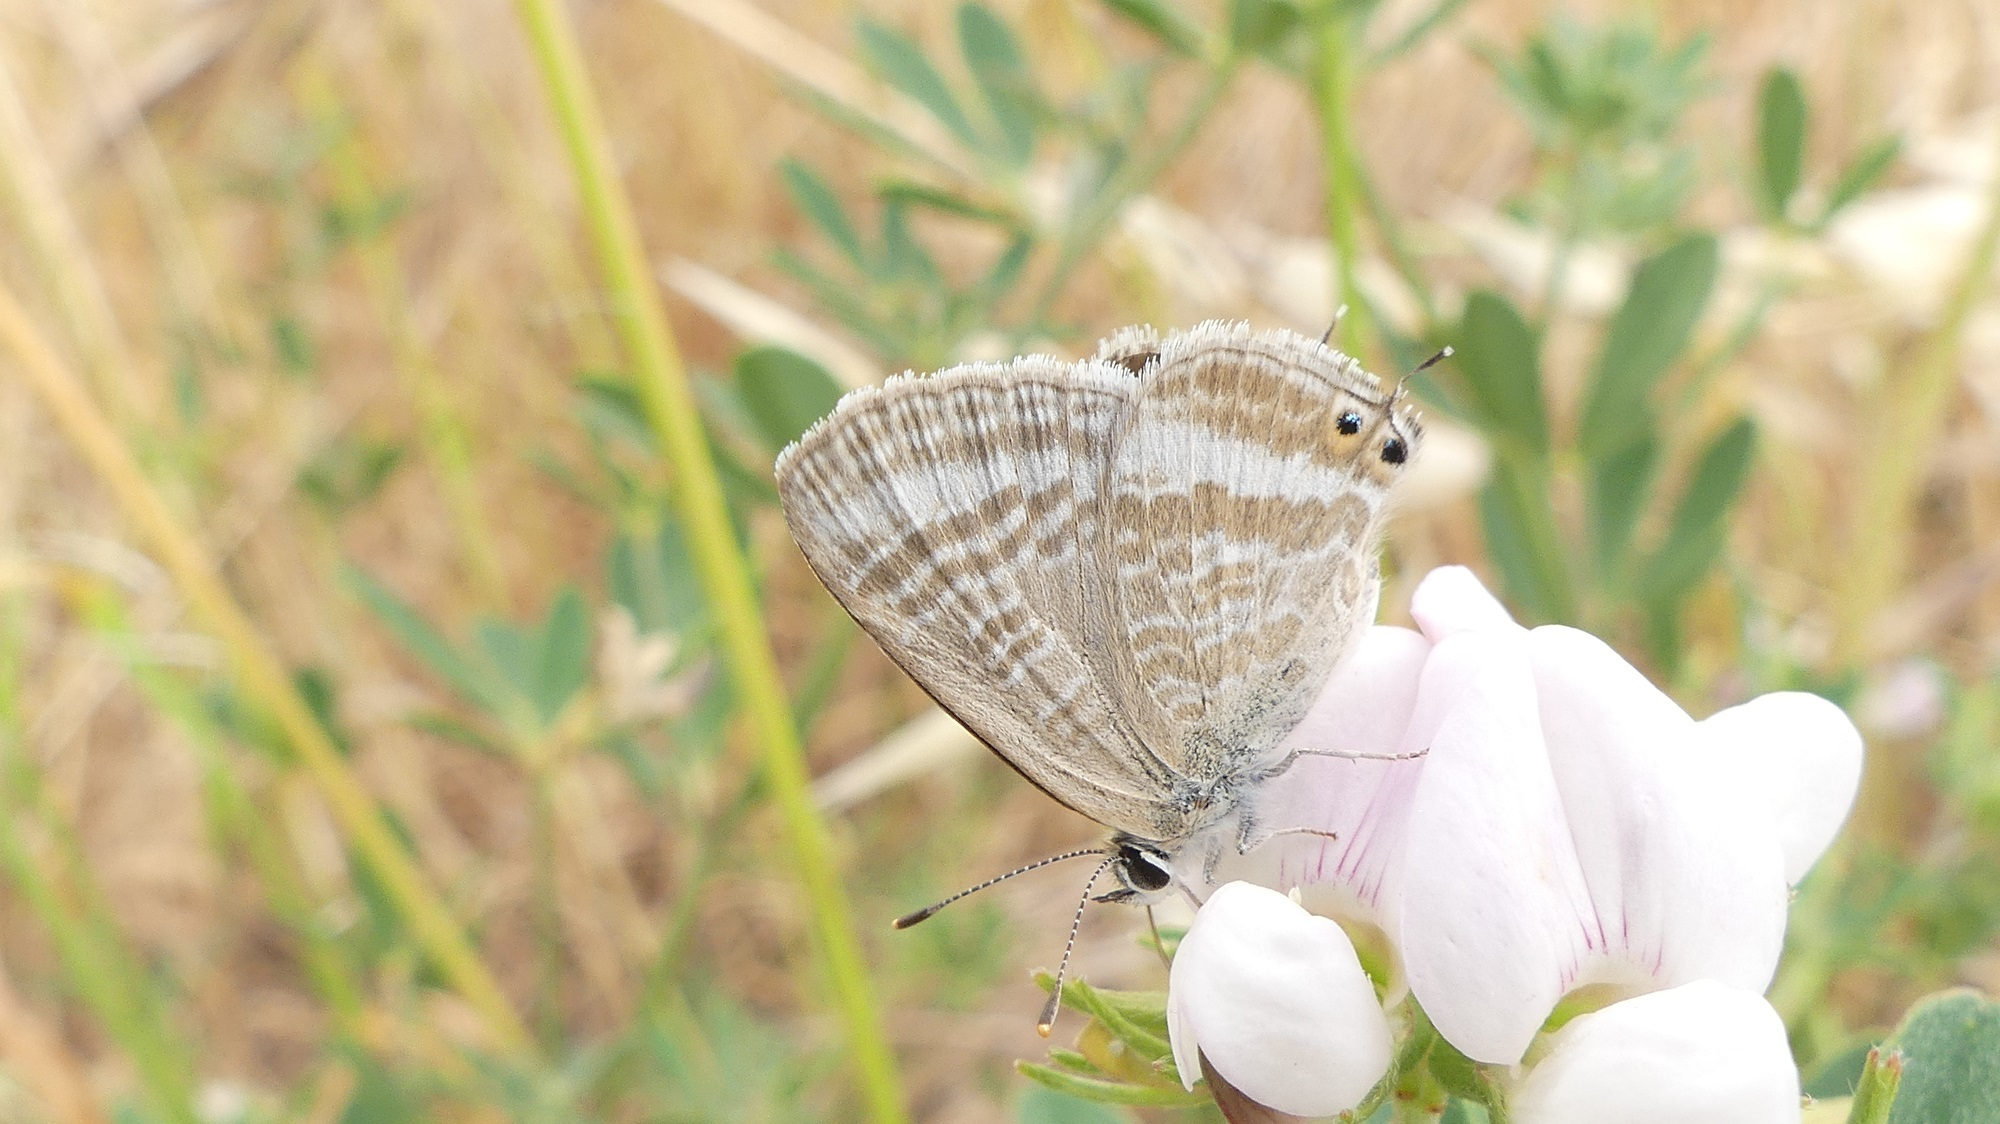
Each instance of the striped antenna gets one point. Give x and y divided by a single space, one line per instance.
909 919
1047 1022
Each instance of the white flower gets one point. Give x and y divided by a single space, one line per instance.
1252 973
1569 826
1701 1051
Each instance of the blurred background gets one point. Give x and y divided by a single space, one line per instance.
469 791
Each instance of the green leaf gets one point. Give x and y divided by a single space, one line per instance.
1416 32
1464 1112
1043 1105
1951 1061
822 208
1618 488
562 658
322 696
1861 175
784 392
654 579
1007 269
1105 1091
451 729
1259 26
293 346
903 257
609 407
1700 525
1781 140
1499 359
997 64
511 652
426 643
944 201
1650 331
348 472
1512 547
1166 23
839 299
903 64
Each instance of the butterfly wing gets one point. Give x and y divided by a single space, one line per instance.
954 516
1242 525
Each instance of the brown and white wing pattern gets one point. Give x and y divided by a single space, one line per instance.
1241 526
955 517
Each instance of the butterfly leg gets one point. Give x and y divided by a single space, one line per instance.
1248 838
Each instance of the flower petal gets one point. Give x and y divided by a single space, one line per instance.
1365 708
1803 755
1276 1000
1491 888
1685 876
1702 1051
1450 600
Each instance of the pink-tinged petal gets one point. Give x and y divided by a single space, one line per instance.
1450 600
1702 1051
1276 1000
1491 889
1684 873
1802 755
1365 708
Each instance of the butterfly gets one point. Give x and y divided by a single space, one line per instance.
1129 576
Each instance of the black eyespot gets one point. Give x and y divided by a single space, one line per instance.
1349 423
1394 451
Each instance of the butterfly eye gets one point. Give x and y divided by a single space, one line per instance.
1394 451
1349 423
1143 870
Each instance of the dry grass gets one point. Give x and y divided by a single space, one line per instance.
167 175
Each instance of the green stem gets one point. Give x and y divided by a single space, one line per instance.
262 676
1911 417
1088 227
1881 1077
443 430
238 816
670 407
101 968
547 908
1332 87
814 693
1401 255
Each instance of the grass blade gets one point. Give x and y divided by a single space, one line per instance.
670 406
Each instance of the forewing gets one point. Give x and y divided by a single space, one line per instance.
954 516
1242 527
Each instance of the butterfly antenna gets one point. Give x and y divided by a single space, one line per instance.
1047 1022
1339 314
1403 384
910 919
1443 354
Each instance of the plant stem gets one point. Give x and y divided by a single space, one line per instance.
261 676
670 407
102 969
235 811
442 428
547 904
1911 410
1881 1076
1087 229
1332 84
